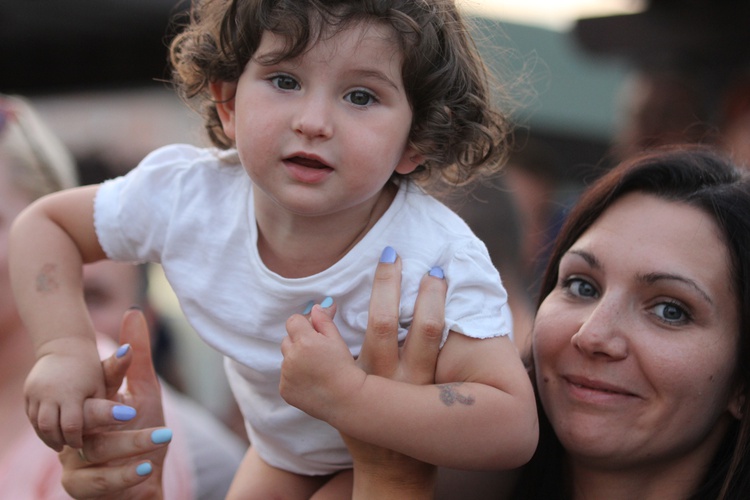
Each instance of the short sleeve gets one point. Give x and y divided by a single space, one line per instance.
477 304
132 213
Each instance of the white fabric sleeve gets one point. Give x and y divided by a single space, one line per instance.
477 304
132 212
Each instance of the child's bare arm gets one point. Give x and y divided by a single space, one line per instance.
480 415
49 242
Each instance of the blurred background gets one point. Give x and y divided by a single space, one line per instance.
593 80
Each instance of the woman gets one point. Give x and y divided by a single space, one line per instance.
640 347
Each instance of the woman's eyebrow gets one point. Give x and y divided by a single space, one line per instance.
590 258
652 278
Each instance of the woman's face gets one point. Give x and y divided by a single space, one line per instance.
635 348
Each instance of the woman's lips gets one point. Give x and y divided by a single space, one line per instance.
596 390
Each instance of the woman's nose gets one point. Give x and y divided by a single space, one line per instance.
602 332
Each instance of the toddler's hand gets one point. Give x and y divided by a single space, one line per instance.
55 392
318 371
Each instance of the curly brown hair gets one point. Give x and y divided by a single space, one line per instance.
455 125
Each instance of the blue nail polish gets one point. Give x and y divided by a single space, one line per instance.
388 256
161 436
327 302
123 413
143 469
122 350
437 272
308 307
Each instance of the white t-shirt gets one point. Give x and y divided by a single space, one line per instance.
192 212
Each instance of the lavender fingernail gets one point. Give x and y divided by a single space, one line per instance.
123 413
437 272
388 256
122 350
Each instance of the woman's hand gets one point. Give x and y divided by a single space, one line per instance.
319 373
379 472
122 460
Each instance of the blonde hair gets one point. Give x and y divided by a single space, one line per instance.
37 161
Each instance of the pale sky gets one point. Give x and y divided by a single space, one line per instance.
554 14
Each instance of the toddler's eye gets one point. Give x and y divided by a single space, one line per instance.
360 98
285 82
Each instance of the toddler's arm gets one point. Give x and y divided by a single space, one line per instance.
49 243
480 414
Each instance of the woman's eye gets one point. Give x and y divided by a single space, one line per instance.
581 288
671 313
285 82
360 98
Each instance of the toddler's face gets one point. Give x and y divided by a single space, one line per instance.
321 134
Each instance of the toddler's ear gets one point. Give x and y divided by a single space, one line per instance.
410 160
223 94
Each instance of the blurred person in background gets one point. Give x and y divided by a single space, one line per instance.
33 162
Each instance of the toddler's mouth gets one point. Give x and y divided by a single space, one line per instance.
307 162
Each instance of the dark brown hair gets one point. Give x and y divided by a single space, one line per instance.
705 179
455 124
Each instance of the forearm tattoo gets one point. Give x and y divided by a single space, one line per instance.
45 280
449 395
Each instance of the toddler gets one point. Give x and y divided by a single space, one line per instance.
327 118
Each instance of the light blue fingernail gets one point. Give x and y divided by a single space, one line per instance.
161 436
143 469
122 351
437 272
308 307
327 302
123 413
388 256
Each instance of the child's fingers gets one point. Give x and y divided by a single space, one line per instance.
321 319
71 424
47 425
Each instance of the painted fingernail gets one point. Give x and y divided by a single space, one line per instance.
122 350
388 256
437 272
161 436
308 307
327 302
123 413
143 469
